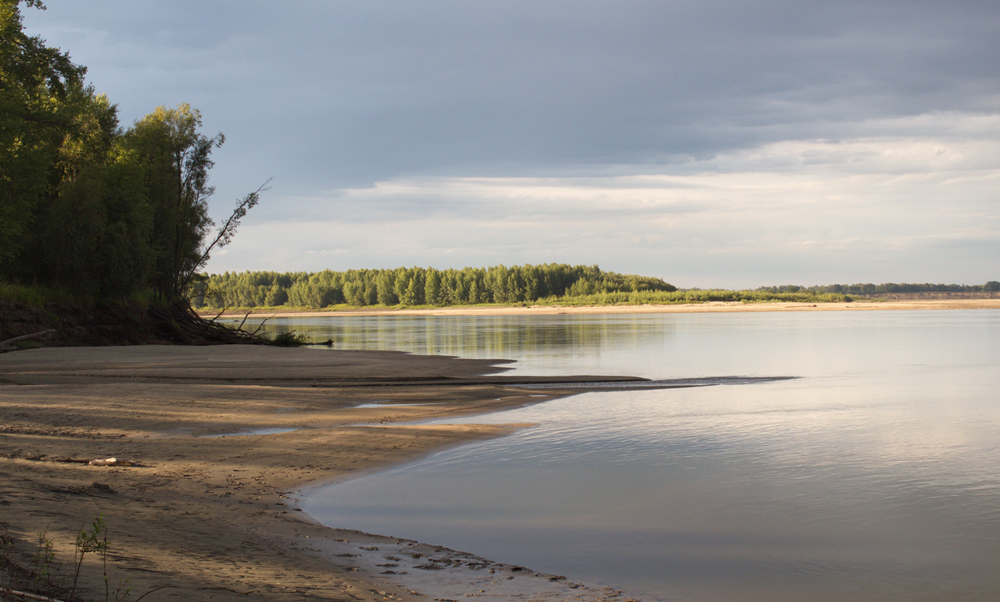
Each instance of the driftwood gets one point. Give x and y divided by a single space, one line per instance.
259 326
224 310
26 595
184 326
6 345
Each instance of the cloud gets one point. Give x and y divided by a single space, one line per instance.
773 139
813 211
369 91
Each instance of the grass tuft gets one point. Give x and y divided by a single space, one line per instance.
288 339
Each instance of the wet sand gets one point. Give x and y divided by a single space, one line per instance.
206 517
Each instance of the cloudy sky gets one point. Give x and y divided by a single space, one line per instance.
708 142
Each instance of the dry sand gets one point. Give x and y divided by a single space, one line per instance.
711 307
214 518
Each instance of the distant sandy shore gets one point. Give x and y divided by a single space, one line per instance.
713 307
208 517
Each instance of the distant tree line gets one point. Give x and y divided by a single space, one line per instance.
89 207
537 284
698 296
415 286
888 287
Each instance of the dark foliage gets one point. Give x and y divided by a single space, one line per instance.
101 214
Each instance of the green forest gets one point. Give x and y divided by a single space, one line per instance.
416 286
536 284
91 210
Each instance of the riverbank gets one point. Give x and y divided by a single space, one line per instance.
197 516
711 307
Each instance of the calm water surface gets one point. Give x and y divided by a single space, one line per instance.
874 476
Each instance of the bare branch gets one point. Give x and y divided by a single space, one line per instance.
220 313
261 325
227 231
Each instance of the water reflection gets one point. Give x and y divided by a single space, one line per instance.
875 476
538 337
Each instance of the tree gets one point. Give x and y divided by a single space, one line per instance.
276 295
354 293
432 287
386 288
177 158
410 296
96 234
36 84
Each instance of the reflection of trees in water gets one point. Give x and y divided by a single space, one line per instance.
481 336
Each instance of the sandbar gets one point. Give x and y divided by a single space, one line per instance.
193 515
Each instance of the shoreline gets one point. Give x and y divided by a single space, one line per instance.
210 517
710 307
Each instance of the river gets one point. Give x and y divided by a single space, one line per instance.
873 475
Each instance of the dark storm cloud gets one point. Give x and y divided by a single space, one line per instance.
347 93
710 142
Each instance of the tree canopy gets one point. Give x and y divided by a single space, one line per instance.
86 205
417 286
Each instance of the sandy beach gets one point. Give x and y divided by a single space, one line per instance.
206 517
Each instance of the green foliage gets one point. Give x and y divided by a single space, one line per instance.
385 287
85 206
175 159
45 576
96 237
46 567
547 284
410 287
41 91
275 296
93 541
289 339
32 295
692 296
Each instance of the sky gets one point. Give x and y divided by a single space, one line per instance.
711 143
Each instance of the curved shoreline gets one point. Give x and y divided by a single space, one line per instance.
202 515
